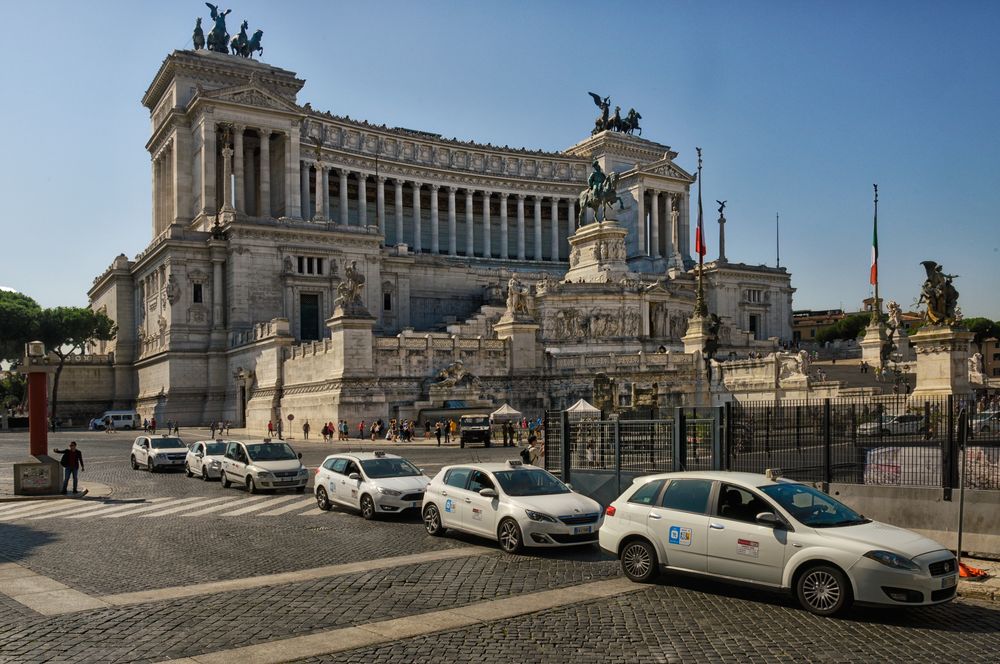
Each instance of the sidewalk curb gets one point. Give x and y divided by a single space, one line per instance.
92 490
979 591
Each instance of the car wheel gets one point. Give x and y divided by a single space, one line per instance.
461 444
204 474
223 480
509 536
322 500
149 466
823 590
638 561
187 470
251 485
432 521
367 507
135 464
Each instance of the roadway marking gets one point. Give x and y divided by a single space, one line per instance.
84 509
252 508
298 505
34 508
42 594
386 631
147 508
224 506
181 508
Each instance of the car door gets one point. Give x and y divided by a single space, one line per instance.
335 479
738 546
229 462
349 491
481 515
143 456
197 462
453 495
679 522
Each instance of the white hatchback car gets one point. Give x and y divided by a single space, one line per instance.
204 459
773 533
158 453
372 482
264 465
515 504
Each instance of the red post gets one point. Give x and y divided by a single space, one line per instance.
38 411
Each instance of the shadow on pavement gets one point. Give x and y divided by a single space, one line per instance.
17 541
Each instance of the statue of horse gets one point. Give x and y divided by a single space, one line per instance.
238 44
218 38
253 44
198 37
631 122
607 197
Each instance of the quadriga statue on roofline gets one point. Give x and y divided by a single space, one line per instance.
608 122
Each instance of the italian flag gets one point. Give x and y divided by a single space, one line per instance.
873 279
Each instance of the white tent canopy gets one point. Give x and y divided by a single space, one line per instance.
581 407
505 412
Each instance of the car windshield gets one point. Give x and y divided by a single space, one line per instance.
168 444
812 507
475 421
529 482
215 449
376 468
271 452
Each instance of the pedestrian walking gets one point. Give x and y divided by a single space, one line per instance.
152 425
228 424
72 462
361 430
212 434
305 430
437 432
270 429
325 432
109 425
279 429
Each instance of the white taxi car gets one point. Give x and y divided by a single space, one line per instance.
773 533
158 453
372 482
263 465
515 504
204 459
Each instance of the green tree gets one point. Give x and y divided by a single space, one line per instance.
13 389
18 317
983 328
67 331
848 327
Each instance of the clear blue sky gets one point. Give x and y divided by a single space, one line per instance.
799 107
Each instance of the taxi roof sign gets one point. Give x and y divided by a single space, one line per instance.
772 473
379 453
515 463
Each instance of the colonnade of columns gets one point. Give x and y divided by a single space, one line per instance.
661 231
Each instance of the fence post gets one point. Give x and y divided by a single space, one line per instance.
949 458
618 457
680 440
727 433
565 460
827 445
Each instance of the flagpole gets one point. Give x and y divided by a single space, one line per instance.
777 239
877 309
700 309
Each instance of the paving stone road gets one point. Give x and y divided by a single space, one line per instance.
676 620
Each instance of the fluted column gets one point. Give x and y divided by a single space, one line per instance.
685 227
571 215
520 227
227 175
398 202
380 203
435 235
470 235
217 309
640 220
208 145
344 207
417 230
452 248
504 248
671 222
362 200
264 180
654 224
304 189
241 205
487 248
320 214
538 228
555 230
327 210
293 201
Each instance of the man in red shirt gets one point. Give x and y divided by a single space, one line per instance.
72 461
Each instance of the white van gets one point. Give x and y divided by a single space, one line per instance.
121 419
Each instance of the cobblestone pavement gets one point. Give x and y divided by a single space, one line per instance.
672 621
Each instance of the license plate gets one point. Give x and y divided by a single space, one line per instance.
285 483
582 530
949 581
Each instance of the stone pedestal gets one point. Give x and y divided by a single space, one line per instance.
351 340
871 345
942 361
37 477
597 254
524 347
697 334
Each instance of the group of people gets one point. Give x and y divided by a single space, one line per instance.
220 426
340 430
149 426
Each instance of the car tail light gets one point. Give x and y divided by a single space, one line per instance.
317 470
610 510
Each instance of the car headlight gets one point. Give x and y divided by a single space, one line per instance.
303 471
263 474
892 560
215 463
538 516
161 457
389 492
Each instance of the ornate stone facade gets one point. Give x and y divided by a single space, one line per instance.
262 206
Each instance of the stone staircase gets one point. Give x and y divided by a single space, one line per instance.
481 324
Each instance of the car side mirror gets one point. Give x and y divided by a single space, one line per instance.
300 455
769 519
488 493
569 486
199 455
354 476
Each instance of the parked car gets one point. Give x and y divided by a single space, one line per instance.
773 533
264 465
372 482
158 453
474 429
514 504
204 459
985 422
894 425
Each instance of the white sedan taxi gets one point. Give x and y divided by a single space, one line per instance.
264 465
774 533
514 504
372 482
204 459
158 453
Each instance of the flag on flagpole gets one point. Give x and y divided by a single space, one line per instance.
873 277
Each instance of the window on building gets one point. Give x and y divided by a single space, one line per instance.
309 317
754 295
309 265
755 326
387 301
302 264
996 357
196 296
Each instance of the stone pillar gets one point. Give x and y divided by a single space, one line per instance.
320 214
264 179
654 224
398 202
327 210
417 226
470 235
241 200
180 185
685 227
538 228
304 189
155 211
208 204
555 229
217 308
293 203
520 227
504 248
487 248
942 362
435 244
640 220
344 209
571 210
362 200
452 249
227 177
380 203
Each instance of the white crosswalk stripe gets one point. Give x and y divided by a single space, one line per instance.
225 506
298 505
34 508
146 508
116 507
79 508
181 508
270 503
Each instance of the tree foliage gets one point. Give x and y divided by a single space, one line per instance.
983 328
849 327
18 317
